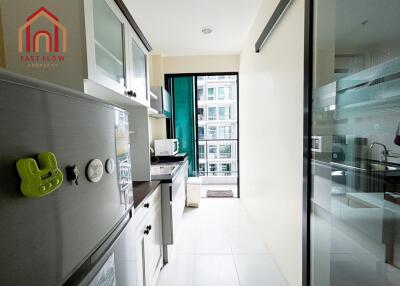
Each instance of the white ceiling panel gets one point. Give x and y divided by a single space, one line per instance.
173 27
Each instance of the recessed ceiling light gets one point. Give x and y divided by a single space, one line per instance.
207 30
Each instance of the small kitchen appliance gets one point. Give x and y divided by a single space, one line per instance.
166 147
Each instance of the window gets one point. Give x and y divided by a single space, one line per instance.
212 132
225 151
200 93
224 113
211 93
201 133
202 154
226 169
212 152
217 116
223 93
200 113
212 113
225 132
212 169
202 169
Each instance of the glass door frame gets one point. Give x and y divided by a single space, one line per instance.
307 105
168 81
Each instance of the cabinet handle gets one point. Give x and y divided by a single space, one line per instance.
146 232
146 205
148 227
131 93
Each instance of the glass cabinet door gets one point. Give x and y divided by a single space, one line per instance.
109 42
138 67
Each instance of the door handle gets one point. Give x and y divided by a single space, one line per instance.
147 230
131 93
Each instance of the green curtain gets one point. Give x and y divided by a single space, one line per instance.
184 113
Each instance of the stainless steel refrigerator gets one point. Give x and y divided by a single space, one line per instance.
79 233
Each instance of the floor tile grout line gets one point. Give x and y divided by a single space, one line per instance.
236 269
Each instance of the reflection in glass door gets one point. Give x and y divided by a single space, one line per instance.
355 200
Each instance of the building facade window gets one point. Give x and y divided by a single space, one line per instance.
212 152
212 167
202 168
211 93
200 133
212 113
202 154
225 151
212 132
225 132
223 93
226 169
224 113
200 93
200 113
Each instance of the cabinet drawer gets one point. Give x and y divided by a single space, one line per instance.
147 206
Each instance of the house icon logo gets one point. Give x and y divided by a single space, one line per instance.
54 35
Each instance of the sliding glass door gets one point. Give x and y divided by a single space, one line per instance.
355 186
217 126
206 122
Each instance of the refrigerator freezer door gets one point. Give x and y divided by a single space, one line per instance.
45 239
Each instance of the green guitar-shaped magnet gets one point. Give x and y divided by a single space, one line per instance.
39 182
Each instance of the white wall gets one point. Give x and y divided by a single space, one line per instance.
157 126
271 134
200 64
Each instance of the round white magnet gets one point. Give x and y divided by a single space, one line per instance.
110 165
94 170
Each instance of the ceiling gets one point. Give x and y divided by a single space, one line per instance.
173 27
364 23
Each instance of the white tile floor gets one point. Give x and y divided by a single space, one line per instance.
218 245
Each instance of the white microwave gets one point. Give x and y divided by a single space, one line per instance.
320 144
166 147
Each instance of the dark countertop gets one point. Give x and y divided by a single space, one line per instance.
168 159
143 189
168 178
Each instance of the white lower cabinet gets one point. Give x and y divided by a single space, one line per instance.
153 248
148 239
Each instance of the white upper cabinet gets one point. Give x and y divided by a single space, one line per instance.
105 52
116 58
138 68
105 46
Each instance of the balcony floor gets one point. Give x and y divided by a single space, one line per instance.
206 187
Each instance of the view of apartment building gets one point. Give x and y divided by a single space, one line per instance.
217 125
